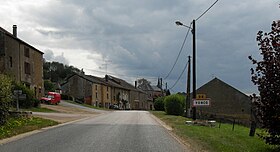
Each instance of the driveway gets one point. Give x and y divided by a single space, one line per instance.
67 112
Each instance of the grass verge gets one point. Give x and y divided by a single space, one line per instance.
86 105
35 109
216 139
15 126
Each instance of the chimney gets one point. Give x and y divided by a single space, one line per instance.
135 84
15 30
106 78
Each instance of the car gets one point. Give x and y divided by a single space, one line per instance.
114 106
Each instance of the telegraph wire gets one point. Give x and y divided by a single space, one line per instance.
183 44
206 10
121 75
179 76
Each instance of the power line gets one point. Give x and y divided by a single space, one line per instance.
179 77
206 10
122 75
179 53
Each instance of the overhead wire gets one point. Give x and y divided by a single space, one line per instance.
179 76
206 10
183 44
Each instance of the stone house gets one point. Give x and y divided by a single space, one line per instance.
127 95
103 92
82 87
152 91
21 61
225 101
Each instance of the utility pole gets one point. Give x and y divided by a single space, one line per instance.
188 101
194 69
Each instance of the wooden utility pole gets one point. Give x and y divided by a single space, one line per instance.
188 101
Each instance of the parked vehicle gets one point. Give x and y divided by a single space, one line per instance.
114 106
51 98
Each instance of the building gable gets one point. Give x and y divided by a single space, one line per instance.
224 99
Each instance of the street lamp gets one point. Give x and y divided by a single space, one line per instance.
194 62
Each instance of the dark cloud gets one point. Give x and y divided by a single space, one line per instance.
140 39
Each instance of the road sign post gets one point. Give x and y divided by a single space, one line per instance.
17 93
201 100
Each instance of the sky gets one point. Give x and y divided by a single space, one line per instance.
133 39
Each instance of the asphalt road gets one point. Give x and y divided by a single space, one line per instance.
66 104
119 131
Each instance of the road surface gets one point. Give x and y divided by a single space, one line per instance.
118 131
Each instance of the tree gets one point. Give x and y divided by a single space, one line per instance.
5 97
159 104
174 105
29 101
266 75
57 72
49 86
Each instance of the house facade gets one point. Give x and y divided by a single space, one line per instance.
21 61
104 92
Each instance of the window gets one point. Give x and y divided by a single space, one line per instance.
96 95
107 88
11 62
107 96
26 52
26 68
95 87
35 91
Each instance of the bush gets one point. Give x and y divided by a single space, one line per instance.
36 103
28 102
159 104
174 105
5 97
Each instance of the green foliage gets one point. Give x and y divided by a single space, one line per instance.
5 97
20 125
159 104
216 139
29 101
266 75
174 104
49 86
57 72
36 103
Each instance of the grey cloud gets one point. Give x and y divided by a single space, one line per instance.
49 56
140 37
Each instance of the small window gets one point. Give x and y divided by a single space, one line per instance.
107 96
27 68
107 88
95 87
11 61
26 52
96 95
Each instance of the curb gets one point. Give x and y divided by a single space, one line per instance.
23 135
169 129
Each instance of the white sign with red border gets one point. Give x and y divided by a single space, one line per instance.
201 102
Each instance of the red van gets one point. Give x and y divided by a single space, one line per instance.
51 98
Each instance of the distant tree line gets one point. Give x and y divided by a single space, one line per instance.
55 72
